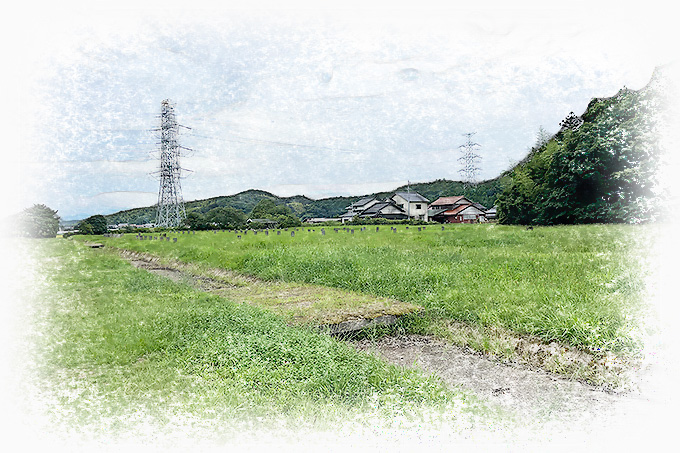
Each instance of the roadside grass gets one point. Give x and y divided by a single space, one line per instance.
581 286
117 340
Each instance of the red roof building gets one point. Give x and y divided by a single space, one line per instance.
456 210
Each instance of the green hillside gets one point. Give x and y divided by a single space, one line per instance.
599 168
304 207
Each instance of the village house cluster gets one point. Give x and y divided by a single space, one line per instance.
412 205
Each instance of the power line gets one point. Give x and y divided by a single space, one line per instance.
245 140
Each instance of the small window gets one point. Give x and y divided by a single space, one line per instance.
418 206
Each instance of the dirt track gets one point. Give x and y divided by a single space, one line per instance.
534 397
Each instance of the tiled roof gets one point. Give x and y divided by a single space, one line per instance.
412 197
379 206
375 208
363 201
456 210
447 200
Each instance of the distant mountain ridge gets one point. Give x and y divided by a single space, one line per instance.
523 193
304 207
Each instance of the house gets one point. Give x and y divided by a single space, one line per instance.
262 223
414 204
442 204
322 219
491 213
456 210
401 205
356 208
387 209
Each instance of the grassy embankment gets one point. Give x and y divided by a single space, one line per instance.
577 285
119 342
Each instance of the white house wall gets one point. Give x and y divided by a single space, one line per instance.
410 208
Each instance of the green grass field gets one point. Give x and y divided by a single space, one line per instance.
579 285
118 341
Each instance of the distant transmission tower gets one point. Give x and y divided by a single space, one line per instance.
170 210
469 160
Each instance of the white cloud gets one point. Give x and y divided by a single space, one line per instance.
318 98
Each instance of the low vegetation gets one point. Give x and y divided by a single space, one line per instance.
130 340
578 285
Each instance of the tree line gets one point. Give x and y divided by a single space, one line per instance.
226 217
601 169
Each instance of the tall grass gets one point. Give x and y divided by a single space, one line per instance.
580 285
135 338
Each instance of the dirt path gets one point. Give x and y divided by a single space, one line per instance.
532 396
330 309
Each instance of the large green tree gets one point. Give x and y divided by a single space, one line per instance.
39 221
269 209
196 221
226 217
95 224
603 170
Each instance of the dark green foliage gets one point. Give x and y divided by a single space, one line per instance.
95 224
220 217
602 172
196 221
269 209
39 221
226 218
139 216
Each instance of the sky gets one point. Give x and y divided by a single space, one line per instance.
347 99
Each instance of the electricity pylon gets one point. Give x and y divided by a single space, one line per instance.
469 160
170 209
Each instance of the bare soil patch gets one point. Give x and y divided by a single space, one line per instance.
531 395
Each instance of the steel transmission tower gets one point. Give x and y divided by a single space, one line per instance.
469 160
170 210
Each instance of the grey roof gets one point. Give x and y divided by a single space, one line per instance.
412 197
379 206
375 208
363 201
479 206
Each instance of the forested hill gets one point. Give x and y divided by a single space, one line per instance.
599 168
303 207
